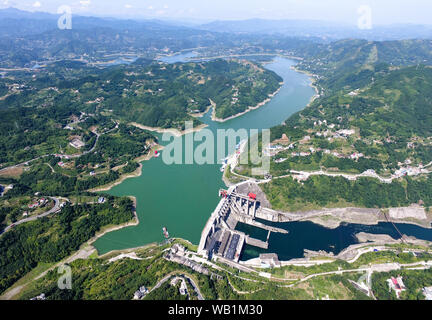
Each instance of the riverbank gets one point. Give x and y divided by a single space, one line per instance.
173 131
201 114
332 218
103 231
312 78
368 243
244 55
134 174
270 97
84 252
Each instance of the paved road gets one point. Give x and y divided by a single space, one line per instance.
166 278
71 156
196 288
56 208
307 174
385 267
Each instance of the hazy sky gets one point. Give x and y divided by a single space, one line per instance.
383 11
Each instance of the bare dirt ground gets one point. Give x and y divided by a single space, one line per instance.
245 188
13 172
332 218
366 237
414 211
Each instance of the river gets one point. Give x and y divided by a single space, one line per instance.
182 197
308 235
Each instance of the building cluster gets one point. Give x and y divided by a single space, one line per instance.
140 293
273 150
269 260
407 170
397 285
77 143
97 100
39 297
340 134
178 254
183 287
427 291
38 203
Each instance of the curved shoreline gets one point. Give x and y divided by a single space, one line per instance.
134 222
259 105
173 131
337 221
179 133
367 243
244 55
312 84
134 174
83 251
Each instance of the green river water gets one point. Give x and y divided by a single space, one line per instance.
182 197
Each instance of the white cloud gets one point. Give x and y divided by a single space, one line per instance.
165 6
150 7
37 4
128 6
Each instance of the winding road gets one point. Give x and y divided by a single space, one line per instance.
167 277
54 209
72 156
307 174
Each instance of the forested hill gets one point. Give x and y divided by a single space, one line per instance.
397 103
352 63
157 95
373 115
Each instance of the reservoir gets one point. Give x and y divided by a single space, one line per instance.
181 197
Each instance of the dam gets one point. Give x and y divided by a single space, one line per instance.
219 239
193 189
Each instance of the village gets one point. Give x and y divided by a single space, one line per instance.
305 147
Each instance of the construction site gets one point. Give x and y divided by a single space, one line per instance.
240 203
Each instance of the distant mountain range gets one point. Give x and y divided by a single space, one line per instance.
313 28
27 38
14 22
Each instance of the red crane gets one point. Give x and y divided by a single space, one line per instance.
223 193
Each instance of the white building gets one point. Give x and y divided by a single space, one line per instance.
427 291
397 285
183 288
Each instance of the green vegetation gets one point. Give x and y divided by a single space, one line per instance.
158 95
414 280
54 238
166 292
373 112
96 279
286 193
